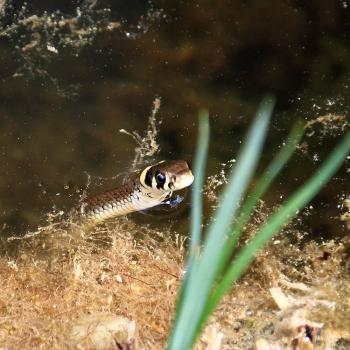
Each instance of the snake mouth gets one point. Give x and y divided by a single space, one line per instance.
184 180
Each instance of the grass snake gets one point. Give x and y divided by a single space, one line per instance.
145 189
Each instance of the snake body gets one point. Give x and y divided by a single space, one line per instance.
146 189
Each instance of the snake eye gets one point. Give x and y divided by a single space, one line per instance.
160 179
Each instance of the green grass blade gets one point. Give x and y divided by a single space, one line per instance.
199 172
259 190
201 279
289 209
196 200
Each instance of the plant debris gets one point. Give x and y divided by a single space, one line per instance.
59 286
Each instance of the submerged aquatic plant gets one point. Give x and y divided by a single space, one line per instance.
210 272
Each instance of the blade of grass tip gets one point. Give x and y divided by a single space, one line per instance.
259 190
289 209
196 199
200 282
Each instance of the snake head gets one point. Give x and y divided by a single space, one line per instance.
167 176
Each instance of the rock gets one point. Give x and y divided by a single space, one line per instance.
104 331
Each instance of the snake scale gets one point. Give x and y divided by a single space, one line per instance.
148 188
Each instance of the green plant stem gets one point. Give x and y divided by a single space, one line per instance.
289 209
259 190
197 201
203 274
199 172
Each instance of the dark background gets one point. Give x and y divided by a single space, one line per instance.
60 112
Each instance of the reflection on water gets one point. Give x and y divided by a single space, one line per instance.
70 83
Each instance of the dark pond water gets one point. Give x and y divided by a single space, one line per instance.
73 73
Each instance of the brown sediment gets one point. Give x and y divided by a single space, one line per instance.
110 278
